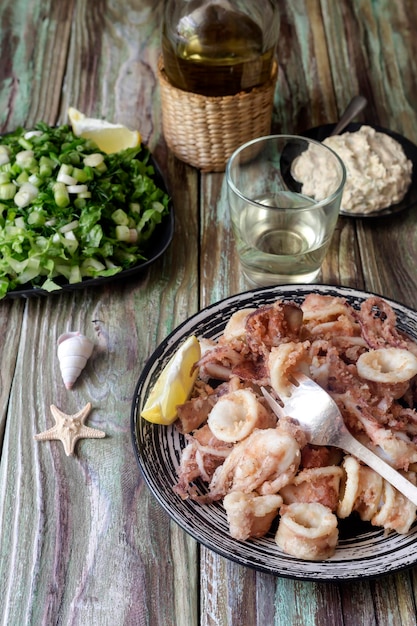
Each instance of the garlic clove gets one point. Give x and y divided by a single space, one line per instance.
74 350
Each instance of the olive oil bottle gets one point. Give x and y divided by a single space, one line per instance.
219 47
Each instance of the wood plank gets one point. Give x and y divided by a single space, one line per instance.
298 48
101 554
359 36
83 540
111 66
304 93
10 330
33 62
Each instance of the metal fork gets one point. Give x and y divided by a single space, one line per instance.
320 418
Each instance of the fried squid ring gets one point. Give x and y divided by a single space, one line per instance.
387 365
361 490
236 326
320 308
349 486
264 462
236 414
250 515
368 497
283 360
307 531
397 512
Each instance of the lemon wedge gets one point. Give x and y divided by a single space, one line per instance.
174 384
108 137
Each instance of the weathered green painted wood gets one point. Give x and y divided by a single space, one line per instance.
353 260
82 540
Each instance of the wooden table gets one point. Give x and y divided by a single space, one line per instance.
83 541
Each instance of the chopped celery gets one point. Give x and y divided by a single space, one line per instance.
7 191
61 195
68 211
120 217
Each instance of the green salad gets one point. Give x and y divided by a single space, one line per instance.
69 211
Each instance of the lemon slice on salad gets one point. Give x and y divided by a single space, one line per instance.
108 137
174 384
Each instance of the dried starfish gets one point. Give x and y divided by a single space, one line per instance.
70 428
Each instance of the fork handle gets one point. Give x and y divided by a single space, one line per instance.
397 480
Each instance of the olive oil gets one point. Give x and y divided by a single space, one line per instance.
216 51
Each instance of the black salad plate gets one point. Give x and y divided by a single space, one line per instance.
321 132
157 245
363 551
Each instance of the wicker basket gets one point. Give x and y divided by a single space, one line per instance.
203 131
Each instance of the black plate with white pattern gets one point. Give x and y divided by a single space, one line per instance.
363 551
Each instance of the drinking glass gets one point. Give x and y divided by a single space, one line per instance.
284 194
